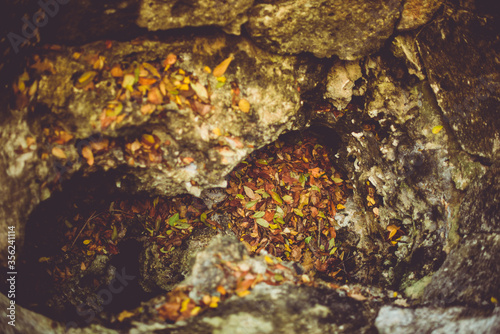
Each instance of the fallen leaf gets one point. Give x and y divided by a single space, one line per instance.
244 105
58 153
436 129
220 69
124 315
88 155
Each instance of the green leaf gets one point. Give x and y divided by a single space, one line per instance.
114 234
321 214
308 239
278 277
203 217
220 84
279 220
288 199
240 196
316 188
334 249
262 222
250 204
262 161
258 214
331 243
298 212
173 220
155 202
183 226
276 197
337 180
279 211
157 224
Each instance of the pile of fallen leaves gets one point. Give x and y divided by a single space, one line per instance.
164 221
283 199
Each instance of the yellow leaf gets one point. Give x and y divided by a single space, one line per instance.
217 132
214 302
436 129
87 154
395 294
151 69
340 207
44 259
58 153
370 200
124 315
195 310
184 87
87 77
337 180
86 241
185 304
243 293
207 69
494 300
220 69
148 139
268 259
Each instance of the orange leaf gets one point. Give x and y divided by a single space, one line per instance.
393 229
59 153
87 154
220 69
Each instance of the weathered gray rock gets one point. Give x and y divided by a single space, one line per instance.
465 78
471 273
349 30
437 320
162 15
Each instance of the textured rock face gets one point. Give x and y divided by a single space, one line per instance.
464 78
193 145
341 82
417 13
349 30
162 15
435 320
475 257
420 142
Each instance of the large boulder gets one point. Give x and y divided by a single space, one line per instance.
465 78
349 30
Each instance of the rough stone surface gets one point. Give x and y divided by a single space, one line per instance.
417 13
465 78
268 82
162 15
474 259
414 171
436 320
349 30
341 82
283 309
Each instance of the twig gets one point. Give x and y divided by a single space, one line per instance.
92 216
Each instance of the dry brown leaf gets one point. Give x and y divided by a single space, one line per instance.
58 153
